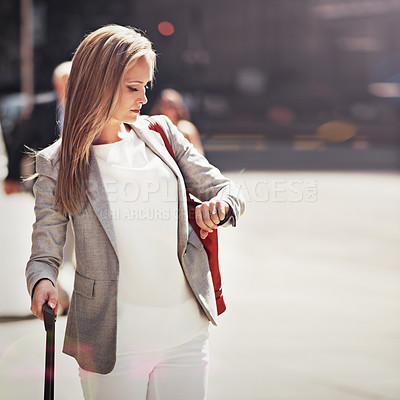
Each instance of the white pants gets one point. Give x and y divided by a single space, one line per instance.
178 373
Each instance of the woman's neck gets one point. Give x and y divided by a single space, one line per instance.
111 133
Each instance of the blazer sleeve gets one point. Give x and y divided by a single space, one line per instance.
202 179
49 229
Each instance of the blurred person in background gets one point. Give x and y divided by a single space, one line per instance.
171 104
40 129
16 216
138 262
3 157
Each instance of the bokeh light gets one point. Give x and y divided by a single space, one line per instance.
336 131
166 28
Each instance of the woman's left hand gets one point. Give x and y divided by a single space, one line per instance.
209 214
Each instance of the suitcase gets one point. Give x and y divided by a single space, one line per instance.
49 318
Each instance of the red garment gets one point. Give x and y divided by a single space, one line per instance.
210 243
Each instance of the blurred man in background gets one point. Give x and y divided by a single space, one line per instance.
39 130
3 157
36 132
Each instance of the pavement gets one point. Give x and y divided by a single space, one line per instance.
311 278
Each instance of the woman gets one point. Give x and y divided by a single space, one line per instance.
138 263
170 103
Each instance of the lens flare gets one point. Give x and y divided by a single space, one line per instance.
166 28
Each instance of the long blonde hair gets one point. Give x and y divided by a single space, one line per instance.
92 94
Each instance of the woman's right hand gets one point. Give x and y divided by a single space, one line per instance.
44 293
209 214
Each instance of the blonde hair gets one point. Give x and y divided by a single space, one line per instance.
93 92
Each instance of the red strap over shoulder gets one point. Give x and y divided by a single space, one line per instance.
154 126
210 243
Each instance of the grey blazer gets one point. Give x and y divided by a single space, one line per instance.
91 329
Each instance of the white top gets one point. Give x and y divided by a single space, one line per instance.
156 308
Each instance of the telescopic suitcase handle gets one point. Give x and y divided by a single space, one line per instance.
49 318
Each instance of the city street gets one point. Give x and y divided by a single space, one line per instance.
296 101
311 279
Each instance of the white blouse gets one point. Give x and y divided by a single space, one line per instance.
156 307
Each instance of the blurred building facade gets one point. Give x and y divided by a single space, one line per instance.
279 67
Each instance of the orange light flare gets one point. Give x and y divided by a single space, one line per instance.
336 131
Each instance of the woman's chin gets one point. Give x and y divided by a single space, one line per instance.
132 119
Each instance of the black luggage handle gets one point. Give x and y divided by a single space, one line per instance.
49 318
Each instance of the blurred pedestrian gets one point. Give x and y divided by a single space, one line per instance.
138 263
171 103
41 128
38 131
3 157
16 216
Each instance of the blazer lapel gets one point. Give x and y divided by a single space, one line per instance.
154 141
98 196
98 199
